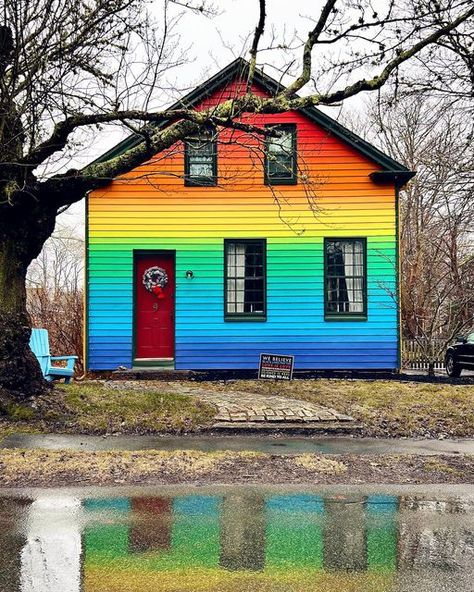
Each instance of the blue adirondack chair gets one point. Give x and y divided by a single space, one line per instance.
39 344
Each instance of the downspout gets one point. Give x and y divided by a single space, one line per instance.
85 297
398 278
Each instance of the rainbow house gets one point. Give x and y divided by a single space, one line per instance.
232 244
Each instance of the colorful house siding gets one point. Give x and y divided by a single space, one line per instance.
151 210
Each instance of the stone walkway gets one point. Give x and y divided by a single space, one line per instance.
237 409
237 406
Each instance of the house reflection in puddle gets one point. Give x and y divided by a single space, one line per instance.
157 510
242 532
294 531
248 532
242 540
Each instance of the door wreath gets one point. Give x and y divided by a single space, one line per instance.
154 280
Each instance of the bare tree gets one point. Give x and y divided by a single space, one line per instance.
436 217
67 66
55 292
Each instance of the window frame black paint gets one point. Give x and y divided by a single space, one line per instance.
190 181
341 315
293 180
245 316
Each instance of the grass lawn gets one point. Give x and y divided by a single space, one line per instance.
385 407
97 408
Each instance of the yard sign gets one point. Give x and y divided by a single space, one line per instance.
276 367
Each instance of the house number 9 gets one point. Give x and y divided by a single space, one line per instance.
155 306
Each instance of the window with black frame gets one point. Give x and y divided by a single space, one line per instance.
280 156
200 160
245 279
345 271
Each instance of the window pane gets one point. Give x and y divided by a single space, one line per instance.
200 148
280 168
345 276
283 144
200 169
245 277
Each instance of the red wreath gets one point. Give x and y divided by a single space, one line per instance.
154 280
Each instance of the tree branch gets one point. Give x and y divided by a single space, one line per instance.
202 7
58 139
73 185
190 121
259 29
308 48
62 130
377 81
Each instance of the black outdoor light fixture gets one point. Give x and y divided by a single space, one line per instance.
189 275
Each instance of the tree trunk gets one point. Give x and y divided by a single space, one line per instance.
20 374
27 219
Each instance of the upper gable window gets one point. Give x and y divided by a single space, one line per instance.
280 156
200 160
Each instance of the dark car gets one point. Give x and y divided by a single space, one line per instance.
460 355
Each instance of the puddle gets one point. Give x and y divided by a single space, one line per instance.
237 539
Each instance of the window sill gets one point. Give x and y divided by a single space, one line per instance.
343 318
245 319
272 182
190 183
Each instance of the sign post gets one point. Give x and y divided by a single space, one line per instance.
276 367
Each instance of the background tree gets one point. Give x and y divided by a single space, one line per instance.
67 66
433 137
55 292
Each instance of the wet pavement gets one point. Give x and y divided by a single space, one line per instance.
276 445
238 539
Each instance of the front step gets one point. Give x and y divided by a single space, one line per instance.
150 373
321 427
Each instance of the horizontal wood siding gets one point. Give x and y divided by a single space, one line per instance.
150 208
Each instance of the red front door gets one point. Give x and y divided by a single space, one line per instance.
154 310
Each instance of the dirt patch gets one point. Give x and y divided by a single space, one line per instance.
55 468
319 464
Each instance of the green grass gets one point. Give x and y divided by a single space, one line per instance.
17 412
385 407
97 408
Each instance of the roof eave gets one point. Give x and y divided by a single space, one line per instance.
399 178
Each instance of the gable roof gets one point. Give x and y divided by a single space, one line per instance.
392 171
